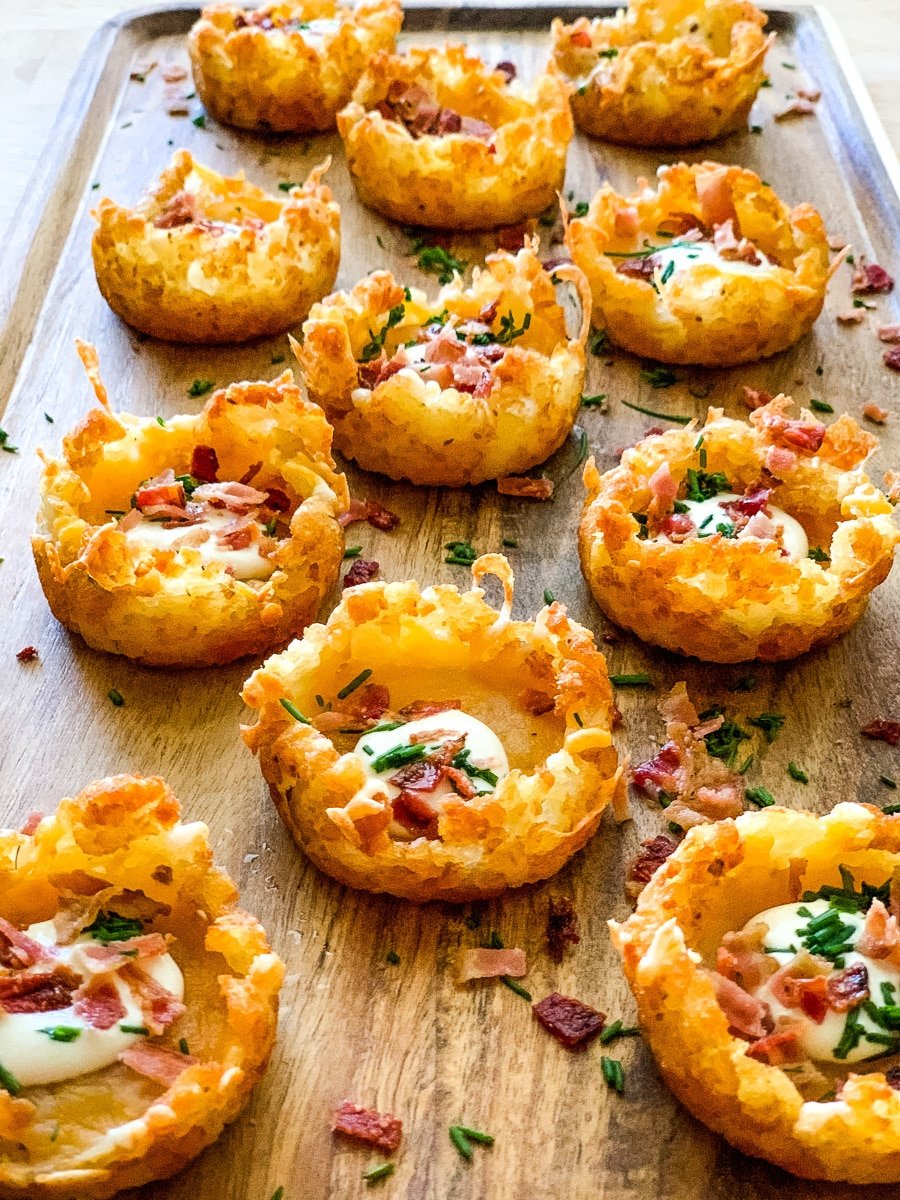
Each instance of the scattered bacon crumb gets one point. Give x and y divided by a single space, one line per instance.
156 1062
889 333
796 108
427 708
48 991
853 316
174 73
140 71
363 571
31 823
369 510
871 280
881 730
205 465
365 1125
484 963
776 1049
562 927
849 988
892 1078
580 37
100 1005
837 243
508 69
653 854
875 413
27 654
277 500
572 1023
512 237
892 486
536 702
811 94
755 398
525 487
892 358
177 104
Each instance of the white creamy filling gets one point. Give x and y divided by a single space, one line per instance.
35 1058
708 514
247 563
693 254
816 1041
316 30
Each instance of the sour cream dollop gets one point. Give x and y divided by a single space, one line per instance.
246 563
708 514
683 255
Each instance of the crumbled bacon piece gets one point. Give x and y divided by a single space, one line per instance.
796 108
511 238
572 1023
731 248
482 963
525 487
892 1078
205 464
663 490
808 994
745 1013
536 702
370 701
780 460
363 570
365 1125
427 708
852 316
156 1062
742 959
637 268
715 196
891 358
45 991
17 949
412 106
461 784
173 73
229 494
776 1048
580 37
677 527
116 954
881 934
28 826
889 333
164 491
881 730
100 1005
369 510
657 774
418 776
848 988
159 1006
812 94
871 280
562 927
795 434
754 500
875 413
415 813
181 209
27 654
653 854
277 500
508 69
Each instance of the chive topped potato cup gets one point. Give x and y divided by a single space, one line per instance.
664 73
477 383
739 541
194 540
289 67
210 259
138 1002
422 744
437 138
711 269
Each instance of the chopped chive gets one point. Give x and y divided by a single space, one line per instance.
462 554
200 387
48 418
278 1194
476 1135
386 726
286 186
887 781
116 698
353 552
277 358
659 377
9 1082
891 810
62 1033
600 344
820 406
770 723
140 1029
161 421
797 773
200 121
393 958
745 765
5 443
516 987
183 1046
399 757
639 679
652 412
613 1073
294 711
460 1141
617 1030
578 721
354 683
817 554
760 796
596 401
374 1174
54 1133
549 598
511 543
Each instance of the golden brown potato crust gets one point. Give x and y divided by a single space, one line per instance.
664 73
113 1129
163 607
458 181
429 645
254 70
247 265
701 315
411 429
731 600
719 877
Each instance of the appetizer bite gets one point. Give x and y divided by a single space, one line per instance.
477 383
764 956
193 540
737 541
664 74
287 67
437 138
205 258
712 268
139 1003
422 744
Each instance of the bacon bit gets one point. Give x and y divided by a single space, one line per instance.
365 1125
511 238
28 827
235 497
159 1006
536 702
875 413
277 500
156 1062
881 730
415 813
428 708
796 991
508 69
181 209
162 492
46 991
205 464
637 268
580 37
461 784
892 486
776 1048
837 243
572 1023
373 512
852 316
677 527
745 1013
797 108
100 1005
795 434
27 654
627 222
413 107
871 280
657 774
755 500
176 102
370 702
140 71
562 927
173 73
714 195
813 95
755 398
17 949
654 853
418 777
849 988
731 248
116 954
780 460
490 964
891 358
889 333
362 571
663 489
741 958
525 487
881 934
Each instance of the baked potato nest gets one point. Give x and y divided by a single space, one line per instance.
726 600
262 70
121 840
664 74
210 259
435 644
720 877
165 607
411 428
701 313
456 180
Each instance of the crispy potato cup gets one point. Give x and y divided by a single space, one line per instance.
192 604
720 877
287 68
664 74
541 685
437 138
209 259
490 386
119 847
735 595
711 269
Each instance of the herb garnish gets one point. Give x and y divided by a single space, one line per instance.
142 1030
703 485
374 1174
393 958
760 796
353 552
887 781
5 444
113 927
581 209
593 401
613 1073
278 1194
183 1046
617 1030
820 406
847 897
516 987
435 260
724 742
200 387
639 679
461 763
797 773
116 698
62 1033
652 412
286 186
609 52
375 345
770 723
399 756
462 1137
462 554
507 332
200 121
600 343
659 377
817 554
9 1082
294 711
354 683
509 542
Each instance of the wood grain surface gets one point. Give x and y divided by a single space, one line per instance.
405 1038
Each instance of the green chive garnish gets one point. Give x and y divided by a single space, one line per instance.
516 987
460 1141
887 781
613 1073
183 1046
476 1135
354 683
548 596
62 1033
294 711
652 412
9 1082
116 698
353 552
593 401
139 1029
640 679
797 773
393 958
617 1030
820 406
200 387
760 796
374 1174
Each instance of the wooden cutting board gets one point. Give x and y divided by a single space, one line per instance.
404 1037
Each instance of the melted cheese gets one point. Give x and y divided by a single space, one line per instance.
707 514
247 563
35 1058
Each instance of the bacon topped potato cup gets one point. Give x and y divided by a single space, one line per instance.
735 541
422 744
194 540
764 956
664 73
712 268
138 1003
209 259
437 138
478 383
